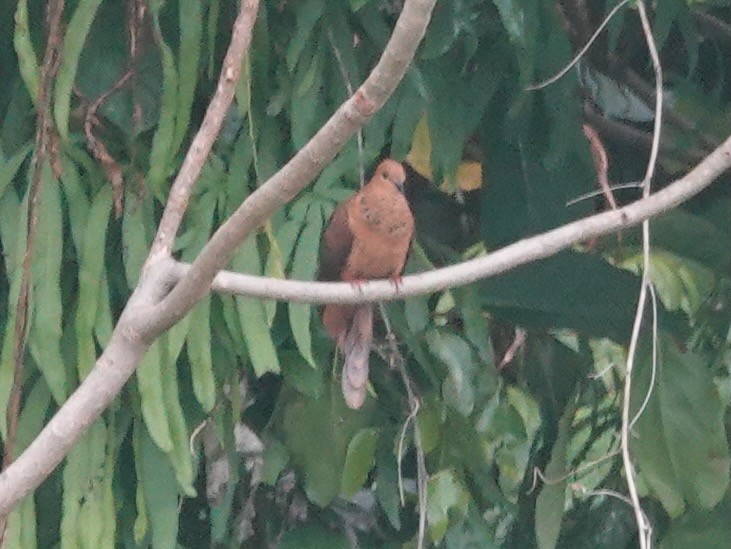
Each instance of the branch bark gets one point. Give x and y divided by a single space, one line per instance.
197 154
498 262
147 314
299 171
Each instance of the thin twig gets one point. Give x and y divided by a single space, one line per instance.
643 525
592 194
111 167
653 369
538 474
44 154
582 52
396 360
400 452
601 163
673 116
349 87
43 145
631 135
205 137
578 487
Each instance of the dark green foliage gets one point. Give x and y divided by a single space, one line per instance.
281 461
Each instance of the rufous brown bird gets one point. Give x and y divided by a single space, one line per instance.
369 237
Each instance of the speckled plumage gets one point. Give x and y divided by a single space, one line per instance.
369 237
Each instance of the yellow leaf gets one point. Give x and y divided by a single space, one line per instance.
420 154
468 178
469 173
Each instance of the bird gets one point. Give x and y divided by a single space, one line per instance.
368 237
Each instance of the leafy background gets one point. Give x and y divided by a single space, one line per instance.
234 431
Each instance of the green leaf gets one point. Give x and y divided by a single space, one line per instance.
159 488
179 454
45 334
387 476
82 490
11 234
137 223
449 129
552 498
162 141
681 447
569 290
304 267
103 325
710 530
9 167
287 236
191 31
252 315
308 13
149 383
20 530
688 235
358 461
300 375
475 325
27 61
456 355
417 313
73 42
33 415
332 425
445 494
306 106
275 459
199 355
76 201
91 273
313 536
429 424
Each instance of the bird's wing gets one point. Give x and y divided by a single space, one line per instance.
336 244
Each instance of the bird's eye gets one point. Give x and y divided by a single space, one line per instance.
384 175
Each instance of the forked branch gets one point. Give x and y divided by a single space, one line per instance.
150 311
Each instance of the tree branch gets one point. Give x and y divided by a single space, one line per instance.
44 155
299 171
143 320
177 201
522 252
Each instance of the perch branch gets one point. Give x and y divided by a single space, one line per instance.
299 171
146 315
498 262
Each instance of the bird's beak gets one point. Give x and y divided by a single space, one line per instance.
400 185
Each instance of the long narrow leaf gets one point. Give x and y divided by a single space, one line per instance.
73 43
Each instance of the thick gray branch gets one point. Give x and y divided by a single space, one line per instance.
299 171
143 318
500 261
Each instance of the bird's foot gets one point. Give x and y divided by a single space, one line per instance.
357 284
397 281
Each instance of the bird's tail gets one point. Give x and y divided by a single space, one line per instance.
356 348
337 319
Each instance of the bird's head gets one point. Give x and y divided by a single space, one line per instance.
392 171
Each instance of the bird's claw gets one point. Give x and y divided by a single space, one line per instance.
397 281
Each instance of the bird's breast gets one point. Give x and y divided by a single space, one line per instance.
382 228
385 216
